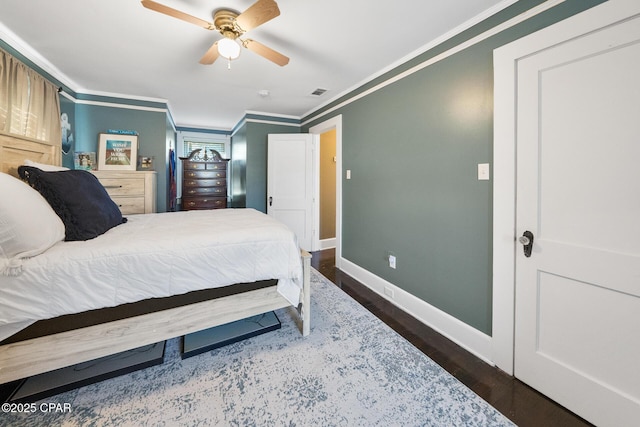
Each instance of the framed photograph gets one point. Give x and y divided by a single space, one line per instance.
117 152
145 163
84 160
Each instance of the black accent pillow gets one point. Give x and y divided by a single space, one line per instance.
78 198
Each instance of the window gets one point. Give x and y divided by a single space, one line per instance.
29 104
220 147
190 141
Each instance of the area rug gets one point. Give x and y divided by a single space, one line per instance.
352 370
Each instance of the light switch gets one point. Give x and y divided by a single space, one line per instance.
483 171
348 173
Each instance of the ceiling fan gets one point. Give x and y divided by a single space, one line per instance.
232 26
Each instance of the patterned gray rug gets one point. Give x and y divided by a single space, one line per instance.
352 370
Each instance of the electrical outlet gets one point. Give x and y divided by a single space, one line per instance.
388 292
392 261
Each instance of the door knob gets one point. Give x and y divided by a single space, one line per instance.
527 242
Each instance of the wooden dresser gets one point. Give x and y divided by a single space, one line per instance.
133 191
204 180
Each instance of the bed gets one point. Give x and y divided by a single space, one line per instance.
171 277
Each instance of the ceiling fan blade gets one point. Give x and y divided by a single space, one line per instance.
266 52
152 5
211 55
257 14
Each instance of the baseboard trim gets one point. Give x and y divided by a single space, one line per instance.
467 337
328 243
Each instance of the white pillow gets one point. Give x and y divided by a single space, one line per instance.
28 224
45 167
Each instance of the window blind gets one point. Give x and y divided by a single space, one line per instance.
220 147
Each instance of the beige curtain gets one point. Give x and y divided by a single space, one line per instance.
29 104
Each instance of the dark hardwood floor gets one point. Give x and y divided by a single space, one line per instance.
519 402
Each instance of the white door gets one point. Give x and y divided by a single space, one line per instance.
577 326
290 183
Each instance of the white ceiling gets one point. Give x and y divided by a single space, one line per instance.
119 47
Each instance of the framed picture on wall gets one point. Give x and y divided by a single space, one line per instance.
117 152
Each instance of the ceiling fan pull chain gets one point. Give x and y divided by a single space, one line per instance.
228 63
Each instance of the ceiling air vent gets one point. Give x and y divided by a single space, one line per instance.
318 92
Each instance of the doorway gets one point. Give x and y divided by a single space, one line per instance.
330 132
327 191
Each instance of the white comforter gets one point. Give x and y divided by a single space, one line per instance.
155 255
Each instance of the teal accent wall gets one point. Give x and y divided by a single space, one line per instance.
249 162
153 135
413 148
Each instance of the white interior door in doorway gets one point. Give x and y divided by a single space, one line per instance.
577 294
290 187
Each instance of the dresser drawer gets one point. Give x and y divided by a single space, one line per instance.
130 205
204 174
194 165
205 183
205 191
133 191
217 166
204 203
203 165
123 186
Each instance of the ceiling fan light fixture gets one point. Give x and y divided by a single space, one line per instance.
231 25
228 48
